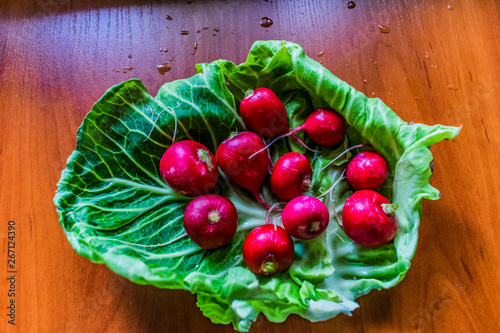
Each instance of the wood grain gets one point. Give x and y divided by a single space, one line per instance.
437 65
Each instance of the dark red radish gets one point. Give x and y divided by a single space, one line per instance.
305 217
367 171
324 126
233 158
291 176
268 249
264 112
368 219
210 220
189 168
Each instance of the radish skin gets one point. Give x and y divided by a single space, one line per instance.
210 221
368 219
268 249
189 168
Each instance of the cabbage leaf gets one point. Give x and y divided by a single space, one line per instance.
115 208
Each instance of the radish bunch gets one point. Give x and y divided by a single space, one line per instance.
211 220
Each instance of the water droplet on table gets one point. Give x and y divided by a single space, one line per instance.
130 56
184 32
198 31
452 87
168 17
205 28
216 29
451 7
163 68
384 29
266 22
194 48
365 81
351 5
127 68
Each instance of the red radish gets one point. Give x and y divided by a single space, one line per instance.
232 157
305 217
324 126
210 220
264 112
291 176
367 171
268 249
368 219
189 168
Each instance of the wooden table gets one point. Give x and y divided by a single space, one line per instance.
438 64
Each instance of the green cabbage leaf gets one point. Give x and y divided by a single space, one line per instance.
115 208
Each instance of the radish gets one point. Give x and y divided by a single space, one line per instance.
291 176
210 220
189 168
367 171
264 112
232 157
268 249
368 219
305 217
324 126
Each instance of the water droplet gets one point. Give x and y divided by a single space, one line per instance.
124 71
351 5
171 59
411 123
375 63
371 29
346 65
405 78
130 56
198 31
205 28
163 68
389 94
168 17
216 29
321 61
384 29
194 48
365 81
373 94
266 22
184 32
452 87
451 7
320 54
371 60
416 97
214 34
392 104
127 68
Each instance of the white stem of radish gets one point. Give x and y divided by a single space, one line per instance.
334 184
305 146
275 218
276 139
342 153
272 208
